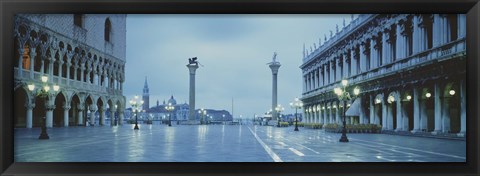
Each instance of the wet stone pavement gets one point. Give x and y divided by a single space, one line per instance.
226 143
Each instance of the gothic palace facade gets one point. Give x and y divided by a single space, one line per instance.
83 55
410 69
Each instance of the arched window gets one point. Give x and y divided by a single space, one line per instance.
108 29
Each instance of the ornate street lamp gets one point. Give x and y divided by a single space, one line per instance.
44 93
297 104
136 107
169 108
279 109
344 96
203 112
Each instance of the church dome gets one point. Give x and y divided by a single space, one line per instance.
172 101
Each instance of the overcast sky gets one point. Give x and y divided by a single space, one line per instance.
234 51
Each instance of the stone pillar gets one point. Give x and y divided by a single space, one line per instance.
81 108
191 115
338 114
68 72
121 116
373 53
405 116
49 107
438 108
60 72
416 34
400 42
93 110
274 66
353 62
29 119
112 116
372 110
32 60
384 114
463 109
363 57
20 61
102 115
400 117
345 64
82 74
416 110
390 115
461 25
66 118
423 115
446 115
438 32
326 120
362 117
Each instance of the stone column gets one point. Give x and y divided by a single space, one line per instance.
363 57
102 115
93 110
390 115
29 119
415 35
68 72
405 116
192 68
423 115
416 110
20 61
274 66
438 108
372 110
362 117
384 114
82 74
81 108
446 115
338 114
325 116
461 25
353 62
49 107
463 109
66 118
32 60
438 32
400 117
121 117
60 72
401 40
112 116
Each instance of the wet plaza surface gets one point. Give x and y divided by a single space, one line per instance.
226 143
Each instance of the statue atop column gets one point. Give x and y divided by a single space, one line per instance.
192 61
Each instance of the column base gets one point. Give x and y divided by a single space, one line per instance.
416 131
461 134
436 132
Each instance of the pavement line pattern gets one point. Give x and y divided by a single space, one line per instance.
283 144
302 146
296 151
408 148
390 149
272 154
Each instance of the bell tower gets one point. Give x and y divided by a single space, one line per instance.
146 97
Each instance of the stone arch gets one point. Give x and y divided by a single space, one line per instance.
101 105
75 115
451 113
378 102
58 112
22 102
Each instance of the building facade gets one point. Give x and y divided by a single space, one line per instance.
410 69
81 54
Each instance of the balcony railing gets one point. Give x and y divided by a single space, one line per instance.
65 83
444 52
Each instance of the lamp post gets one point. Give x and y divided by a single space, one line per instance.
202 112
136 106
297 104
44 93
279 109
169 108
344 96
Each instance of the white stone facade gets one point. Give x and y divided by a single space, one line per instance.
410 69
84 56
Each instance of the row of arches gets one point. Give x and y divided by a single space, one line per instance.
436 107
66 108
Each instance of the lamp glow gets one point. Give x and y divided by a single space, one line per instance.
409 97
428 95
31 87
344 82
46 88
452 92
44 79
56 88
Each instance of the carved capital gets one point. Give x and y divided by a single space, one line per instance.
50 107
30 105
